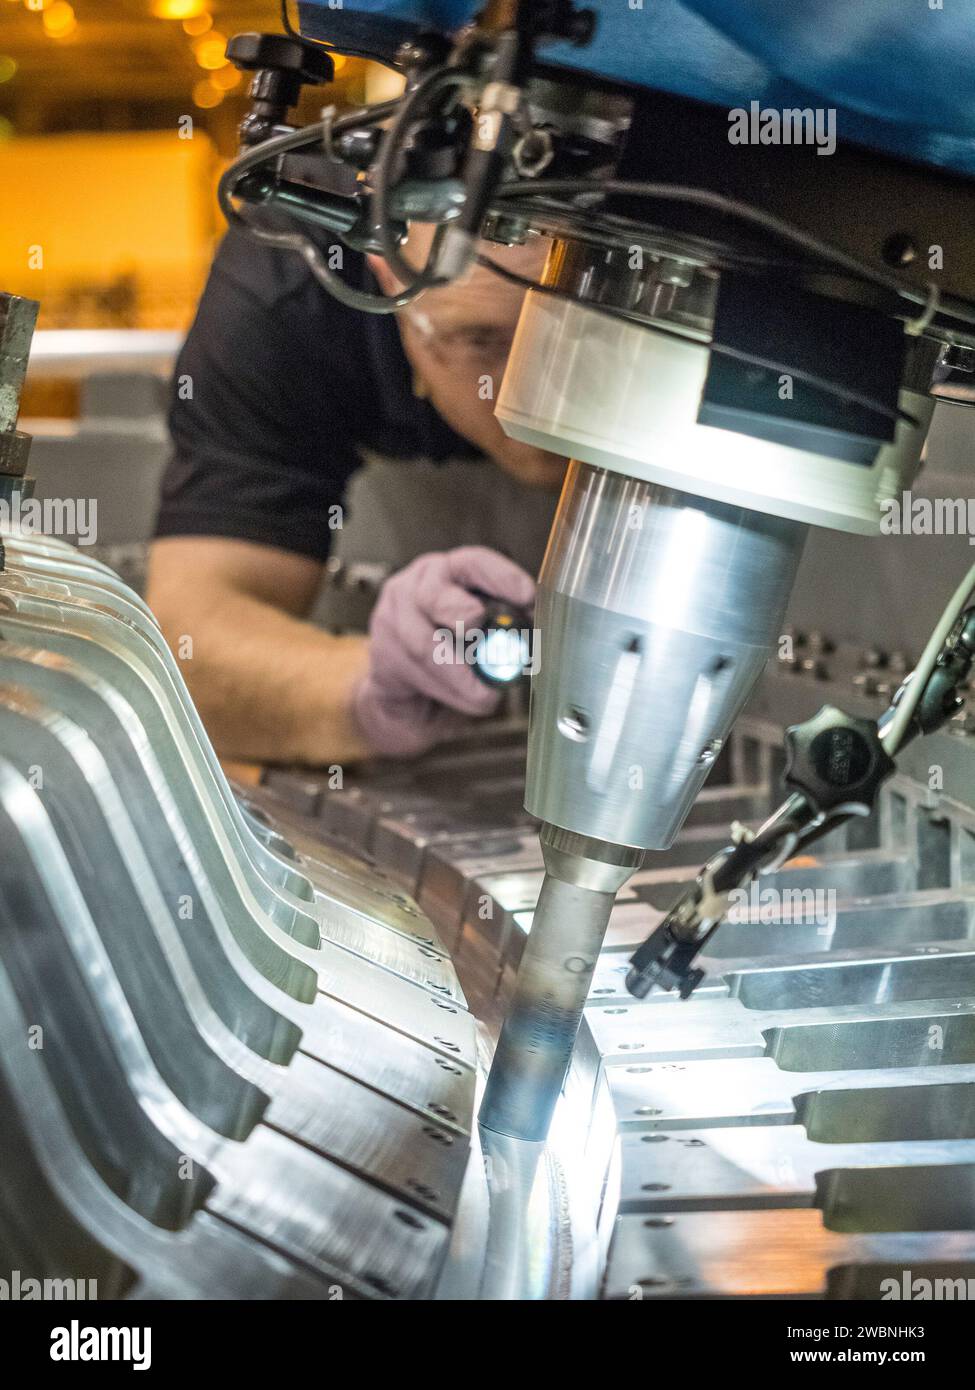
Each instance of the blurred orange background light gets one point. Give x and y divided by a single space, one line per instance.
178 9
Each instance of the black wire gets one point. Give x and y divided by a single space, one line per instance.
295 241
731 207
819 383
745 212
587 221
280 145
251 159
402 110
427 90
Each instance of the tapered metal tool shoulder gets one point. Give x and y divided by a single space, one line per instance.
657 612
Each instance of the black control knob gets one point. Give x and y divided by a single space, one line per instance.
281 66
836 760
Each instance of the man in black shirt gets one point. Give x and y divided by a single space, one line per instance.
280 396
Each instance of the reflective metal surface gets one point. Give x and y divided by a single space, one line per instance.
163 946
535 1048
743 1144
238 1060
656 613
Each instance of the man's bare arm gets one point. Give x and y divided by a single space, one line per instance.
269 686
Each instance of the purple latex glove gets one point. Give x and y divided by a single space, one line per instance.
407 701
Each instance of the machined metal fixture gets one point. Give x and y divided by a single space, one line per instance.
260 985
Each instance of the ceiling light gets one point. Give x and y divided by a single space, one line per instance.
225 78
178 9
206 95
211 51
59 20
198 24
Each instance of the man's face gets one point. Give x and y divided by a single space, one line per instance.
458 339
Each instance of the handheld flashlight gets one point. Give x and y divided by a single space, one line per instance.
503 654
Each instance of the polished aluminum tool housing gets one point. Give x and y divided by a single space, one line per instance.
657 612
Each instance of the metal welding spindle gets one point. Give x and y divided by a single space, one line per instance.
657 612
582 878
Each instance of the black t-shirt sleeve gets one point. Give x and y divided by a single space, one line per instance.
261 409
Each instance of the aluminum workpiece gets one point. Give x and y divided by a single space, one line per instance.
268 1014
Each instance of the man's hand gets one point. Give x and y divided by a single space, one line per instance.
408 700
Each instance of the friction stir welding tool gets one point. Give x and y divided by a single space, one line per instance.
762 272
